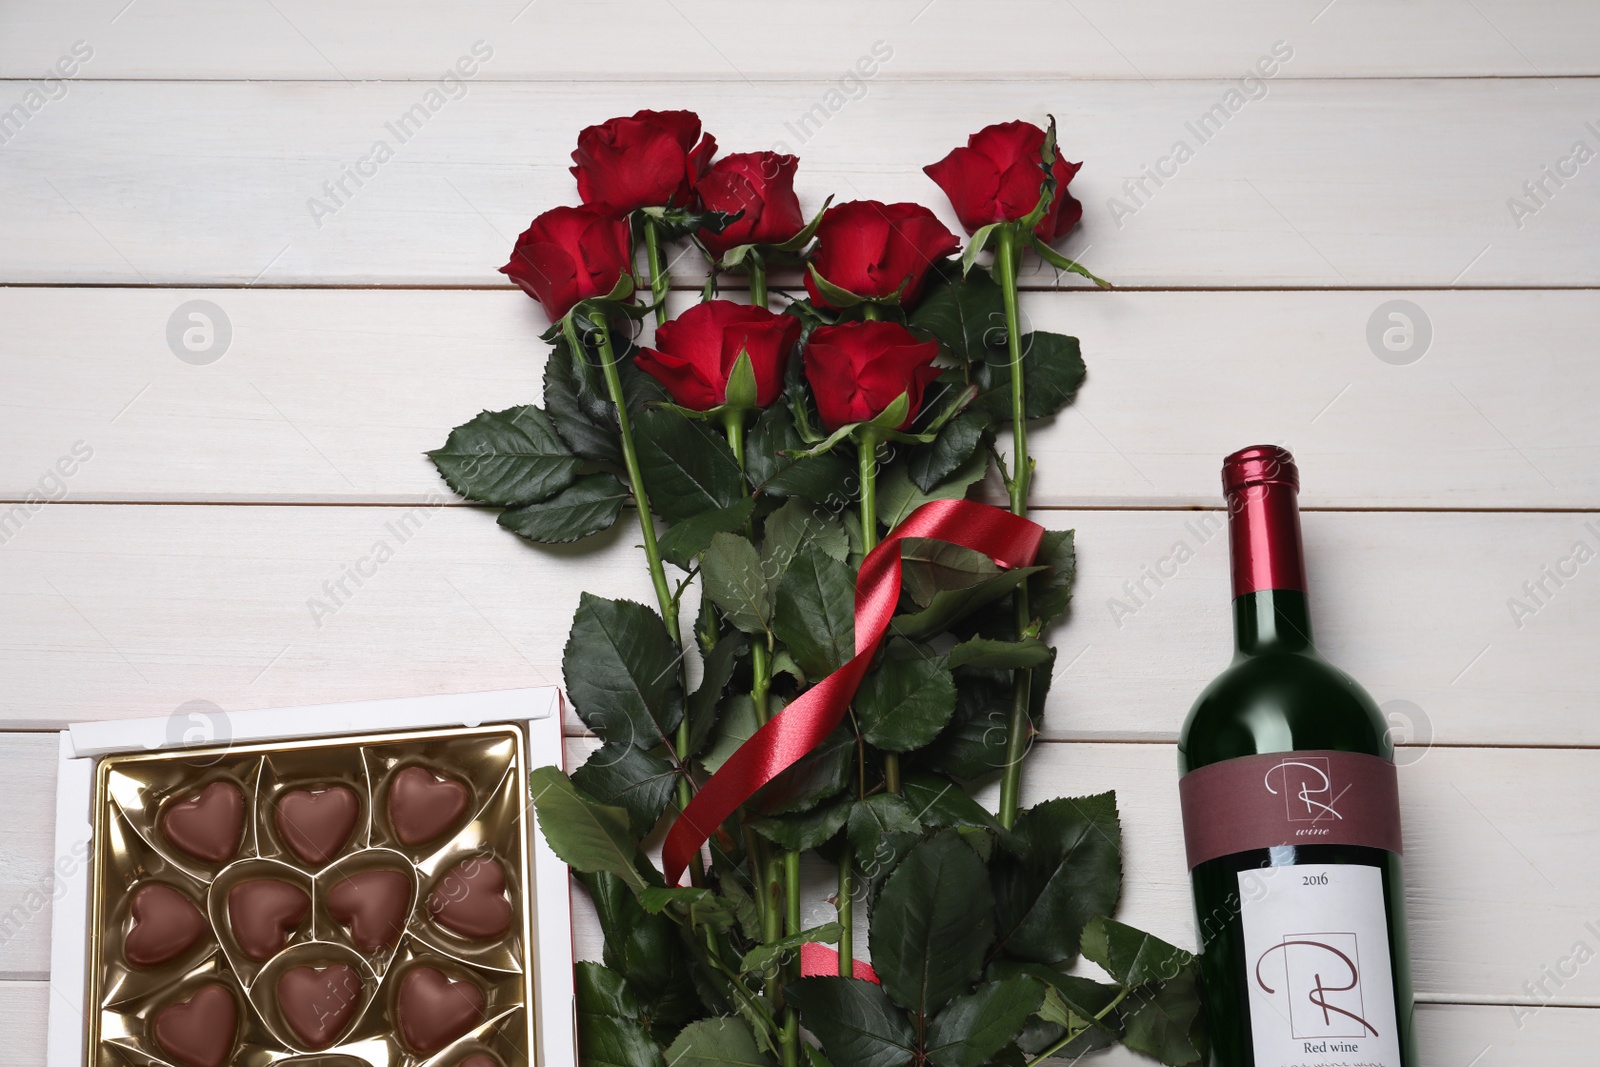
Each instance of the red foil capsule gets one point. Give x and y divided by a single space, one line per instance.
1262 484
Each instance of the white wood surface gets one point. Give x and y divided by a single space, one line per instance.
1376 165
1326 184
948 39
332 396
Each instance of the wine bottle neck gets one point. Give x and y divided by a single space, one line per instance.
1271 620
1269 574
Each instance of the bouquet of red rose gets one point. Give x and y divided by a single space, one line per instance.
867 645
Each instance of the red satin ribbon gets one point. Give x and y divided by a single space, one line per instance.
820 960
1007 539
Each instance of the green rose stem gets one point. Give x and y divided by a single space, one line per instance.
1073 1034
758 279
781 873
652 551
1020 727
659 279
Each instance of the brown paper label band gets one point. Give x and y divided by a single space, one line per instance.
1290 798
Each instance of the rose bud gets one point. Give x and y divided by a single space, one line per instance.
649 160
996 178
569 254
872 249
857 369
694 353
761 184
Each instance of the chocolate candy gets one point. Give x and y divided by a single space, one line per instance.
423 805
316 824
470 900
478 1059
433 1009
166 924
263 912
317 1001
373 905
200 1031
208 825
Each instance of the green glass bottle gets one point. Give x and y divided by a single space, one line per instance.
1291 820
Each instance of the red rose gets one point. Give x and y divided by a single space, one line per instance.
872 249
569 254
761 184
996 178
649 160
695 352
856 369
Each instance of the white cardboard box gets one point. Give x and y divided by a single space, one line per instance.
538 711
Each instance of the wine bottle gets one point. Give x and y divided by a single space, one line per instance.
1291 819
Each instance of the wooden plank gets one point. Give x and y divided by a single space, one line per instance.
327 397
296 39
1344 184
126 610
1490 874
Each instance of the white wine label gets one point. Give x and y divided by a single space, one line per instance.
1316 945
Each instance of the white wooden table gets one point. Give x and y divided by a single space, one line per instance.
1381 163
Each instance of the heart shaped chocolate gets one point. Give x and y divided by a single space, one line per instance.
318 1001
470 899
373 905
316 824
423 805
478 1059
263 913
208 825
434 1009
199 1032
166 924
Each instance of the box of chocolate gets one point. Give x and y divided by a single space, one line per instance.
355 885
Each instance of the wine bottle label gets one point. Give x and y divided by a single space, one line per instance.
1289 798
1316 943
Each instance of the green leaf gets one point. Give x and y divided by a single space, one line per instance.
733 579
905 700
803 831
1164 1020
506 457
955 444
628 777
856 1022
736 724
940 804
966 315
587 506
675 222
815 611
898 495
621 671
795 524
724 1042
825 478
950 605
575 400
1066 868
687 539
602 991
701 907
822 773
986 652
586 836
605 1041
883 828
688 468
929 567
975 1027
718 667
1131 956
976 244
645 949
974 744
1050 591
1052 371
764 956
933 925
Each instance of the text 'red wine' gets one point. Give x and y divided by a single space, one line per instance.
1291 819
